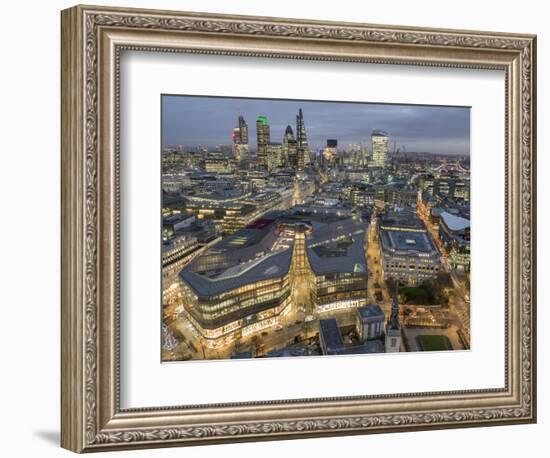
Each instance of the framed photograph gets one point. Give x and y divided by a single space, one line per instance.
278 228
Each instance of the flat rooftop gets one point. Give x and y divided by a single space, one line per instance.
243 238
174 219
331 335
369 346
338 247
370 311
404 219
407 241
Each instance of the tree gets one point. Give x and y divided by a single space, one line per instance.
237 346
437 290
256 345
392 284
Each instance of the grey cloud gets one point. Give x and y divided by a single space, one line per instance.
193 120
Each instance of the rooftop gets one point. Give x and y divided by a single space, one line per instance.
401 219
369 346
243 238
407 241
331 335
404 231
338 247
370 311
173 219
455 223
246 256
274 265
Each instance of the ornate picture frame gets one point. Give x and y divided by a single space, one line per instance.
92 41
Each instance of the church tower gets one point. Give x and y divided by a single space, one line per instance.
393 328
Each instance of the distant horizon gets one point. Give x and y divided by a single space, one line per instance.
253 150
207 121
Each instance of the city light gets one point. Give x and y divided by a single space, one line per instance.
274 248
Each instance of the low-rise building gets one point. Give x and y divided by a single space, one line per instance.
330 337
408 251
336 255
332 342
454 233
370 322
176 253
219 163
174 223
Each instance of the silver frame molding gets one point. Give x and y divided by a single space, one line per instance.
92 40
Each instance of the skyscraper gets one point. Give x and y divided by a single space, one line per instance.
330 151
357 155
236 136
243 131
301 136
379 148
289 148
301 140
240 140
264 138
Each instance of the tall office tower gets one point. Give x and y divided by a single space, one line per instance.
240 140
358 155
331 150
264 138
301 140
393 329
364 157
289 148
301 135
236 137
379 148
300 159
241 152
243 131
274 155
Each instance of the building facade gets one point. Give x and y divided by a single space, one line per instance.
238 301
379 149
176 253
370 322
241 149
302 147
454 233
408 252
336 254
263 139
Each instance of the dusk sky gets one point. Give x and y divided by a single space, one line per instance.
209 121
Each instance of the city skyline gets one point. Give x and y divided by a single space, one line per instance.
209 121
311 247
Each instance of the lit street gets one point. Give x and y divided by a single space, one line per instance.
280 241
